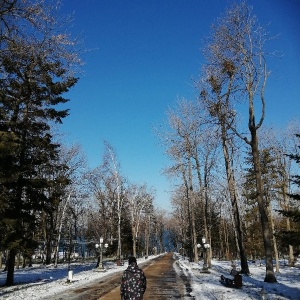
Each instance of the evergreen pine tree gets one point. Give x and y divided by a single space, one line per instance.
35 73
292 237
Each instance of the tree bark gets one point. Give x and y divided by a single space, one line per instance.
234 204
274 239
203 196
226 241
288 226
134 239
60 230
192 211
266 231
187 195
147 235
11 260
48 249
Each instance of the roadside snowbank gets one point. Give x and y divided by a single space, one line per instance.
208 286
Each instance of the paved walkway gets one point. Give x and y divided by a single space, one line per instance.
162 281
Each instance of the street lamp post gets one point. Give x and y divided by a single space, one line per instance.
99 246
198 247
206 246
105 246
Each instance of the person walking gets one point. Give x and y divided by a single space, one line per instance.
134 282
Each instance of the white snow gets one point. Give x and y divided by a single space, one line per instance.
208 286
38 282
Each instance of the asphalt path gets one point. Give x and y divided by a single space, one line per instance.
163 282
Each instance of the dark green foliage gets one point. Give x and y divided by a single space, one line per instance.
126 234
269 175
33 79
293 237
296 178
293 214
27 148
290 237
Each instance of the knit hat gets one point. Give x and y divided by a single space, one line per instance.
131 260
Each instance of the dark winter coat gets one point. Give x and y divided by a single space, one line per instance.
133 285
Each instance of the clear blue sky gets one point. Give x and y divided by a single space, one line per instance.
145 53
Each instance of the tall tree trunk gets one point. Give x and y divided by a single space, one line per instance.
291 249
119 198
48 247
147 234
286 208
192 211
161 243
119 235
274 239
221 240
288 225
234 205
209 250
11 260
203 194
226 241
266 231
205 206
206 209
18 260
134 239
236 255
60 229
187 191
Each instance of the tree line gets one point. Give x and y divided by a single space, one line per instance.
236 181
50 201
234 176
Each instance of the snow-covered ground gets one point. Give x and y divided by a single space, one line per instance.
208 286
38 282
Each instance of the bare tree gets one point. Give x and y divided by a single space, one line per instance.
108 186
281 141
180 143
159 216
237 50
216 100
111 162
71 204
177 224
191 142
140 201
